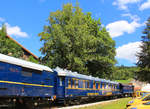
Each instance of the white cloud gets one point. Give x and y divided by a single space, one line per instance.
120 27
132 17
15 31
122 4
129 51
145 5
2 19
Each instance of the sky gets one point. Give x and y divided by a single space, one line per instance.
123 19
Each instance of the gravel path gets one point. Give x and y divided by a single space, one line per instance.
86 105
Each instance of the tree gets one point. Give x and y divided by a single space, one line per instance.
75 41
124 73
144 55
7 46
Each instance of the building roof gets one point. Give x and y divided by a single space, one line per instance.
23 47
23 63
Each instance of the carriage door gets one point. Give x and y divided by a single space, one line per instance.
61 87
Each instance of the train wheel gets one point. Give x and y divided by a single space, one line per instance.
66 103
21 104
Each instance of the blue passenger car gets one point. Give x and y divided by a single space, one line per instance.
127 90
75 86
23 79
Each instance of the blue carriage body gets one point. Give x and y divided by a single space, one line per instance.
19 78
127 89
72 84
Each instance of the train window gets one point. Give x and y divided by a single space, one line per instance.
73 83
98 85
116 87
109 86
28 72
69 83
77 83
60 81
112 87
94 85
83 83
103 86
88 84
106 86
12 69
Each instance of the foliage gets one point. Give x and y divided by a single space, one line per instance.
7 46
124 73
32 59
127 81
144 55
75 41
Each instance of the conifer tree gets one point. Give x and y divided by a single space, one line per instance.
144 55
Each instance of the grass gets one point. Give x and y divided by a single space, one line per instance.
124 81
119 104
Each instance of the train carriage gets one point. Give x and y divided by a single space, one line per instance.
23 79
127 90
72 86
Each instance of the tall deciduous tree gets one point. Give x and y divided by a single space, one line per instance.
144 55
77 42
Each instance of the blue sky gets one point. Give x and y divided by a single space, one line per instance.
124 19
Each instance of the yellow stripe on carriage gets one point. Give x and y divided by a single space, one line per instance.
92 89
27 84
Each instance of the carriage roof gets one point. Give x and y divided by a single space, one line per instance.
64 72
23 63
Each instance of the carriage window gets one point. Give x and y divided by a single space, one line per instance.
106 87
12 69
28 72
83 83
69 83
88 84
103 86
116 86
77 83
113 87
60 81
73 83
98 85
94 86
110 87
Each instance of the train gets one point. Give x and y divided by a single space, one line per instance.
34 84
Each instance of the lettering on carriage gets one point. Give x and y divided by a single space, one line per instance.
13 69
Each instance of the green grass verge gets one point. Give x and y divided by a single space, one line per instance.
124 81
119 104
